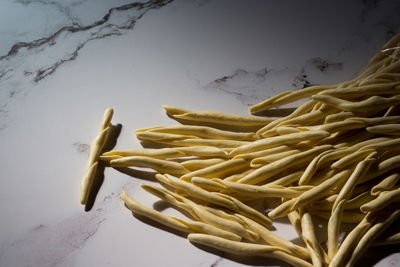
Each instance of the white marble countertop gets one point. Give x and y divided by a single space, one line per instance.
63 62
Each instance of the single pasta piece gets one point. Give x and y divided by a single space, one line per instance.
302 109
309 237
203 151
247 249
203 142
352 158
389 129
162 153
362 91
204 132
361 169
159 165
196 164
374 103
287 179
381 168
267 152
334 228
339 116
350 216
386 183
313 167
288 97
278 141
222 169
378 120
258 162
155 136
384 199
221 118
95 150
208 184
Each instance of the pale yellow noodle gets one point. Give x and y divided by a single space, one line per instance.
247 249
196 164
160 165
205 132
219 170
276 167
385 184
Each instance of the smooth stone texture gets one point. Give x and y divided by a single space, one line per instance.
200 55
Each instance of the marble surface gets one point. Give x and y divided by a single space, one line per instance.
63 62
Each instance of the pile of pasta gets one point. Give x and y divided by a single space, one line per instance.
335 157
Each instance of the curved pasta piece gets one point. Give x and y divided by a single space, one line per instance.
287 97
351 158
386 183
310 238
267 171
156 136
247 249
196 164
389 129
371 103
162 153
224 118
362 91
204 142
278 141
203 151
384 199
205 132
159 165
221 170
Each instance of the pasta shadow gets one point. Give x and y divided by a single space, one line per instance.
375 254
247 260
276 112
143 175
158 225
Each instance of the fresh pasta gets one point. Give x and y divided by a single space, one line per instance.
335 158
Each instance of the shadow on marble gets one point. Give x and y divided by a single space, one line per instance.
140 174
251 261
374 255
99 175
158 225
277 112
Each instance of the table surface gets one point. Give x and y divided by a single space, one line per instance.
62 63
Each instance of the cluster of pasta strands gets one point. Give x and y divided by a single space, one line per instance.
335 157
